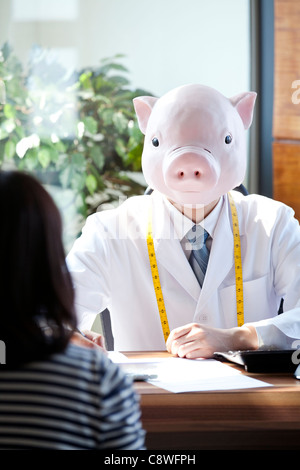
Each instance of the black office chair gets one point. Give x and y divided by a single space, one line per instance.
242 189
107 330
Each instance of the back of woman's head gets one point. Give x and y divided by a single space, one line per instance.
36 291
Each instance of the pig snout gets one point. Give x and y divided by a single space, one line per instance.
191 169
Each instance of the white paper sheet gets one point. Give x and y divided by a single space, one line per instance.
184 375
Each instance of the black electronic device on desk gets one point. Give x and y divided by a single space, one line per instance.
264 361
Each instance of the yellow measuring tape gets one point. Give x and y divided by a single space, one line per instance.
237 264
156 281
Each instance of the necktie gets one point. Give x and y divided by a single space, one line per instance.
197 237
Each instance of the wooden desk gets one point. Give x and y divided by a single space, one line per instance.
263 418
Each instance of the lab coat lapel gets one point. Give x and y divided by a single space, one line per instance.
221 256
169 253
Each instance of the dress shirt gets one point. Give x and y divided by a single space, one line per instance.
182 224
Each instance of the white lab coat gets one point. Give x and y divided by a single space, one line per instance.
110 268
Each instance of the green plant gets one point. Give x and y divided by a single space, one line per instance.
77 130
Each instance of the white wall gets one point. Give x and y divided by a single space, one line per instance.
166 42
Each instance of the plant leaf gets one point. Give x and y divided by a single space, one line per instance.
90 125
44 157
97 156
91 183
9 149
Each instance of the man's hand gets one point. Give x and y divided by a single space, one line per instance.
196 340
88 339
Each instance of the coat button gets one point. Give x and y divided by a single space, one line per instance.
203 318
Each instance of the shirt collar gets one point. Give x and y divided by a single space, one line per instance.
183 224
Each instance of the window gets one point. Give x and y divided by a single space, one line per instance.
71 70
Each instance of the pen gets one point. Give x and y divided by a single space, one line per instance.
81 333
92 340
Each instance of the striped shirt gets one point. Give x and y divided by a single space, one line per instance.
77 399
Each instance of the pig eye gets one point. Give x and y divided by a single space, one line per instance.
228 139
155 142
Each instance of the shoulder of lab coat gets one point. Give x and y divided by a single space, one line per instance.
89 259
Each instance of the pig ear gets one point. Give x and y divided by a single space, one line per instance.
244 104
143 106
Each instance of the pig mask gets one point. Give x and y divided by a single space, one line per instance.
195 145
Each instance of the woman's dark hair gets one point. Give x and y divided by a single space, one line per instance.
36 293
